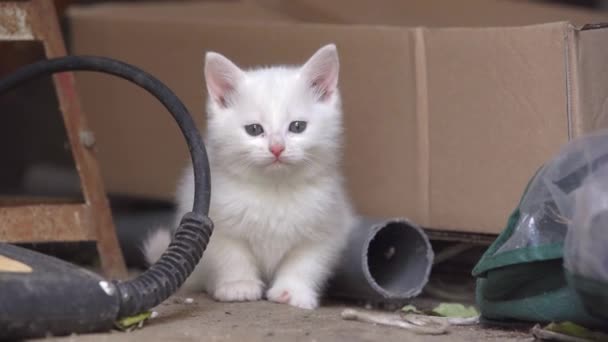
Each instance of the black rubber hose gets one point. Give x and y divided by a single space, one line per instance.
164 277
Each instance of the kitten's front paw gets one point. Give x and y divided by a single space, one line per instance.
239 291
298 296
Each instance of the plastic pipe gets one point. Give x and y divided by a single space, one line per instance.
386 260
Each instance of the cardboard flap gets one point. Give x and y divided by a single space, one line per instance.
591 65
497 111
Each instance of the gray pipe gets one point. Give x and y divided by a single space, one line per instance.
387 260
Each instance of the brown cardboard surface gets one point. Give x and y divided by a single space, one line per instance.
433 13
443 125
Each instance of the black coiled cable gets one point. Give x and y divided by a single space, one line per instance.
191 237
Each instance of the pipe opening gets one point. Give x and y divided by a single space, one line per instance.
398 259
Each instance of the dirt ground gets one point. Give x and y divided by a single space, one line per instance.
207 320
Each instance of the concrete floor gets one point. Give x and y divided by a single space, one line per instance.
207 320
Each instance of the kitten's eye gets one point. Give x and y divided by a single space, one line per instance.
297 126
254 130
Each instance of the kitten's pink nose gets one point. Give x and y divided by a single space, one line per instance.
277 149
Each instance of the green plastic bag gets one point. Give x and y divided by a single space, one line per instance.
522 276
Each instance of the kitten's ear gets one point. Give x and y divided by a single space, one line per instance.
221 76
321 71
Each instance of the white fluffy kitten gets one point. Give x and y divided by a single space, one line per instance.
281 213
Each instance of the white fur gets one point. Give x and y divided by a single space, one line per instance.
279 228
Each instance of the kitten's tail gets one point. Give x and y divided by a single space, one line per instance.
155 244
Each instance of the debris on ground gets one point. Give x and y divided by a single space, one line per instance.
133 322
411 309
429 322
453 313
455 310
567 332
424 325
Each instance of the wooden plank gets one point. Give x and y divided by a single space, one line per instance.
46 223
45 24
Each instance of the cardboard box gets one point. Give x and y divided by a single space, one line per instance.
444 125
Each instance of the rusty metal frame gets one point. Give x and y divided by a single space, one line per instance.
46 222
